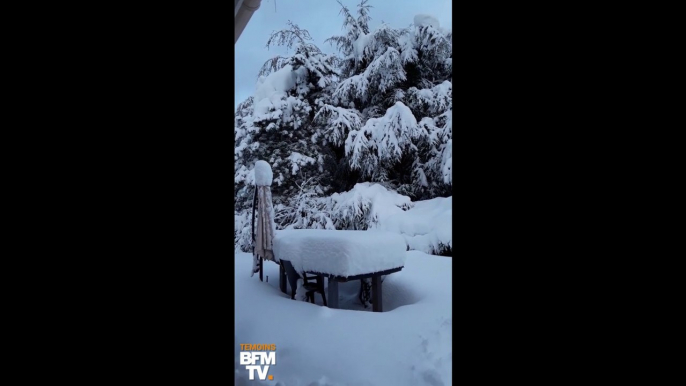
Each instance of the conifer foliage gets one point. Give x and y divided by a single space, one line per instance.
380 111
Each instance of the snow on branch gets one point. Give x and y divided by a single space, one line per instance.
433 101
299 160
271 65
386 70
394 131
355 87
388 136
363 17
338 122
360 152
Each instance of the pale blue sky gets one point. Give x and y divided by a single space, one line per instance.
321 19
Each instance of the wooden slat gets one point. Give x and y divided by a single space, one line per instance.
357 277
252 223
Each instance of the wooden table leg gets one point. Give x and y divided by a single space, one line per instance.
376 294
282 278
333 294
291 276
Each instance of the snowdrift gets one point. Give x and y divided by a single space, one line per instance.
427 227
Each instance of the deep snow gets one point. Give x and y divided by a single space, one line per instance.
407 345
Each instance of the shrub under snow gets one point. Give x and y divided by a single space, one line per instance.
365 206
425 225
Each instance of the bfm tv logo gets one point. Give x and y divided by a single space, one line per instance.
249 357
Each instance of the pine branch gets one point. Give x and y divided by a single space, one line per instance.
290 36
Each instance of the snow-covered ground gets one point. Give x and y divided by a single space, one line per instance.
409 344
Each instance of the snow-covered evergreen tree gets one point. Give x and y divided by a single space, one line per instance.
394 79
276 124
380 112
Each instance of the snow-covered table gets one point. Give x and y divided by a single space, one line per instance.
341 256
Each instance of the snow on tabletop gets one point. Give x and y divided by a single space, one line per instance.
263 174
341 253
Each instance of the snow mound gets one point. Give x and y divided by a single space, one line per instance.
424 20
427 227
365 204
341 253
263 174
